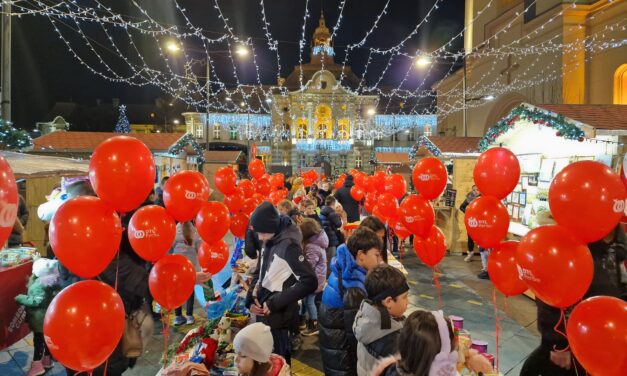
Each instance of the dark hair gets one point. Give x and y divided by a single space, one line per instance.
384 278
260 369
373 223
363 239
164 179
330 200
308 202
309 227
419 342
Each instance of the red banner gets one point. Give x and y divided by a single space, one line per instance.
12 315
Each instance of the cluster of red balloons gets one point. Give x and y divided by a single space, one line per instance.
309 177
8 200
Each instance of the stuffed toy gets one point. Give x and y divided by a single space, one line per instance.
222 334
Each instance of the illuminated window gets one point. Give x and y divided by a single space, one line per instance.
301 128
302 160
358 161
233 133
199 132
343 160
343 129
620 85
216 131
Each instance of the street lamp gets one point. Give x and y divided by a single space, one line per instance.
423 61
371 111
241 50
172 46
176 121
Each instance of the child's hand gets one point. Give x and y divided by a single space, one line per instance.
202 277
477 362
561 359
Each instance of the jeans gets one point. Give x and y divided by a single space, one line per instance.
189 307
309 306
484 258
330 255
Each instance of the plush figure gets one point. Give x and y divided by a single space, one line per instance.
222 334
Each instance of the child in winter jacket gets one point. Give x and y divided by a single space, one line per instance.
42 287
186 243
315 242
380 317
253 346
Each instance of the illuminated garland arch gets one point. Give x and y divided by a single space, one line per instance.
423 141
188 140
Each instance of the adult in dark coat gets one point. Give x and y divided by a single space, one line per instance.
349 204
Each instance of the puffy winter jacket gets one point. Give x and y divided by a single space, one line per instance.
341 299
316 255
39 296
331 222
373 343
283 276
343 196
386 367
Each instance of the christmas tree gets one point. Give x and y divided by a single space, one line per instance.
12 138
122 126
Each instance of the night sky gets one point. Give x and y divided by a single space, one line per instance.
45 72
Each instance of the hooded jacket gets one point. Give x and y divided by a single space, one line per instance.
331 222
343 196
373 343
316 255
283 276
341 299
38 298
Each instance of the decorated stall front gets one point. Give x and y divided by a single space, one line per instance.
547 138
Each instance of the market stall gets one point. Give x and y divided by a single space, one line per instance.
547 138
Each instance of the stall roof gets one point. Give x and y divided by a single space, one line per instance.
612 117
222 156
88 141
449 144
392 158
26 166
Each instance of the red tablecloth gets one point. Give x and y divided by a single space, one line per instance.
12 315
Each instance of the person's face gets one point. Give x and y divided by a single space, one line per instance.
397 307
381 235
282 210
325 187
244 364
263 236
310 210
369 259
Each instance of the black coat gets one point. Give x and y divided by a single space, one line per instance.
350 205
279 291
331 223
252 245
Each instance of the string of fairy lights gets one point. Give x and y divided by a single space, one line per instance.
72 16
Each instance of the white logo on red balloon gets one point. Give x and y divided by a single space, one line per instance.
427 177
149 233
619 206
526 274
217 256
413 218
474 223
8 213
192 195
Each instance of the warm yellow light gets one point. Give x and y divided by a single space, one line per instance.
241 51
423 61
172 46
176 121
371 111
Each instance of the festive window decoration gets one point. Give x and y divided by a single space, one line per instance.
323 122
424 141
188 140
12 138
343 128
302 126
122 126
532 116
401 122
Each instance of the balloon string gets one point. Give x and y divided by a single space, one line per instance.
436 283
557 330
165 322
401 246
497 328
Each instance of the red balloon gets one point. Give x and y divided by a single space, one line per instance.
83 324
151 232
597 335
357 193
359 178
487 221
430 249
430 177
313 175
213 257
171 281
369 185
340 182
122 172
497 172
256 168
379 181
235 201
370 202
275 198
85 234
417 215
184 193
225 180
239 225
399 228
555 265
250 204
352 172
8 200
277 180
262 186
377 213
307 181
387 205
588 198
395 184
247 187
212 221
503 270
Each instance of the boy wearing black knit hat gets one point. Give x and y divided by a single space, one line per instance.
283 276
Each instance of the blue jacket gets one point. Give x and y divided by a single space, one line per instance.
352 276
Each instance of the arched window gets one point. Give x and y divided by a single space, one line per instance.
343 129
620 85
301 128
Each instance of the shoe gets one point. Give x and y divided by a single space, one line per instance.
483 275
296 342
36 369
47 361
312 330
464 253
179 320
469 257
189 320
303 323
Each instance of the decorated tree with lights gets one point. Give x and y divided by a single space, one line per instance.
122 126
12 138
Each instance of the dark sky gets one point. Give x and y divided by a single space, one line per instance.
45 72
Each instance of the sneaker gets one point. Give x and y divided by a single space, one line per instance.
469 257
47 361
483 275
189 320
36 369
179 320
303 323
312 330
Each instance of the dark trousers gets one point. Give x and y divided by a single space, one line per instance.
471 244
40 346
189 307
539 364
282 346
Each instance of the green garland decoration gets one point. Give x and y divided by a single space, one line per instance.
424 141
12 138
188 140
557 122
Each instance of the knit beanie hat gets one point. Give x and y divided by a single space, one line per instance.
254 341
265 219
